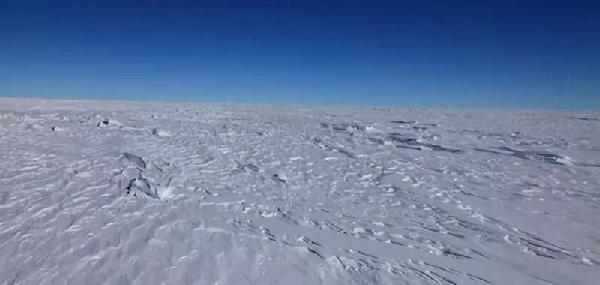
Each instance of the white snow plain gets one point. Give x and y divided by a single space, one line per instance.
174 193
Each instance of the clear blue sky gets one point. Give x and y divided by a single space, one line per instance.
517 54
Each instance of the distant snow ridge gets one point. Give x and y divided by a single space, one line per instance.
109 123
160 133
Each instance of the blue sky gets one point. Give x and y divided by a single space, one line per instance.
505 54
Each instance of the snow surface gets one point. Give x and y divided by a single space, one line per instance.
174 193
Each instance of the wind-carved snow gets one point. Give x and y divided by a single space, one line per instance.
151 193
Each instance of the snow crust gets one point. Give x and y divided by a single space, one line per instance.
173 193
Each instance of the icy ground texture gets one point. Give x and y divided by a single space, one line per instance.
150 193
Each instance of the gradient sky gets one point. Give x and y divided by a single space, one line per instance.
515 54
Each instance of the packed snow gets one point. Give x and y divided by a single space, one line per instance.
178 193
